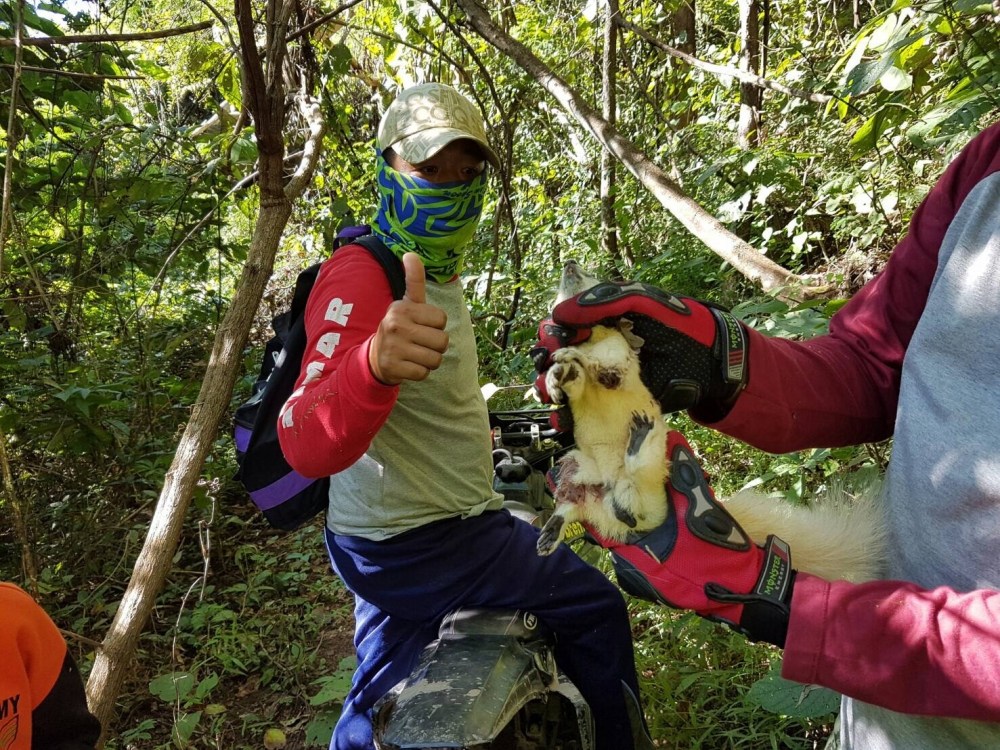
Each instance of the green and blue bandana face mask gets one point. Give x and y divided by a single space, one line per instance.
434 220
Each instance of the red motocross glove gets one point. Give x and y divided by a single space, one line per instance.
550 338
700 559
693 354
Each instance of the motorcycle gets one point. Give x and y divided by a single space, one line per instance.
489 680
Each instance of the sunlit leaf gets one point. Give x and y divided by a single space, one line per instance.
895 79
151 69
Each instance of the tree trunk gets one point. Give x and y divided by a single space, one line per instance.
20 513
265 98
748 130
6 201
609 104
682 27
683 33
741 255
154 562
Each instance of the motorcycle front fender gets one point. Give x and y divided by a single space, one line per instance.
465 691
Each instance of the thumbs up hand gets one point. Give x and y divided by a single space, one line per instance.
410 341
416 279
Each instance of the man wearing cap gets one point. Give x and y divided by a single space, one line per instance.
388 405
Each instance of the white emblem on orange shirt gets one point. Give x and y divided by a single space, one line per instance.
8 730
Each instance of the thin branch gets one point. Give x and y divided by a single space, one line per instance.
312 148
233 44
322 20
43 295
488 79
72 74
50 41
723 70
97 645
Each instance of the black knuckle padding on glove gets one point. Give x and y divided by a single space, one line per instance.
693 353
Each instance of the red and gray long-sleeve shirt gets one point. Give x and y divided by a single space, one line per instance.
915 355
398 457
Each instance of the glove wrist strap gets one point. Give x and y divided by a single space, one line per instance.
767 607
731 347
729 352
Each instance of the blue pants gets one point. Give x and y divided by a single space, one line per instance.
405 585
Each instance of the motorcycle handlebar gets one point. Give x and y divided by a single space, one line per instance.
528 427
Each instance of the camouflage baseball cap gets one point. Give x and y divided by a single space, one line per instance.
426 118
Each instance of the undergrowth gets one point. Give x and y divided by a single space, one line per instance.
698 681
249 646
257 653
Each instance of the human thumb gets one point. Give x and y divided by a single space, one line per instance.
416 281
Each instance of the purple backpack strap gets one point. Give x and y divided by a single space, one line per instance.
348 234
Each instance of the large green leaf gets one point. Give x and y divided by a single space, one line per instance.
229 83
866 75
895 79
172 686
869 132
780 696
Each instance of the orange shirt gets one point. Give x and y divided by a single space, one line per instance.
42 703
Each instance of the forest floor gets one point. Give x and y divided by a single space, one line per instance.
258 654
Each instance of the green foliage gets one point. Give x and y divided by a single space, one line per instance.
265 633
185 691
780 696
930 68
703 684
333 688
797 477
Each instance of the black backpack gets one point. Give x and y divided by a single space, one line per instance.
287 498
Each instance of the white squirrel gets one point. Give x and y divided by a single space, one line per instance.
615 478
